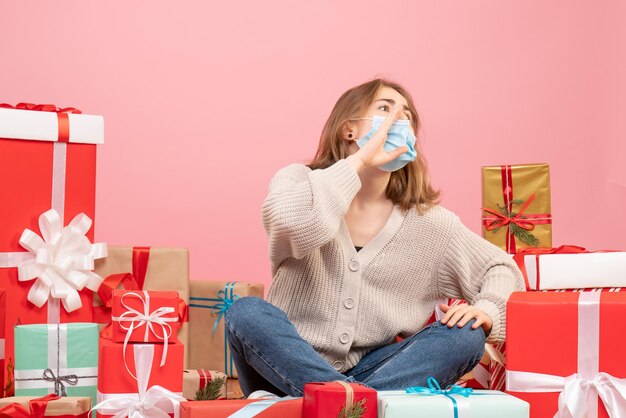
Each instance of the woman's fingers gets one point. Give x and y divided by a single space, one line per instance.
480 320
469 315
449 311
457 316
397 152
393 116
453 310
373 152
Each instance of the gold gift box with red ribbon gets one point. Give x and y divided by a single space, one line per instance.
516 206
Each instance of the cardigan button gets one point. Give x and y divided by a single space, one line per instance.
344 338
354 265
348 303
338 365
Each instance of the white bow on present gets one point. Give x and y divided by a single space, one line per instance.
155 402
61 260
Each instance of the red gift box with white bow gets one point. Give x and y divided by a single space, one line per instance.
565 352
146 316
139 377
48 172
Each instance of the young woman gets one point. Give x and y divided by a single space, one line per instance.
360 252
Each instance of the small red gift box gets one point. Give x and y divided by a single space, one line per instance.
566 346
146 316
270 408
326 400
125 372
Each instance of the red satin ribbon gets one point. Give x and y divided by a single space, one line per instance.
141 257
563 249
205 378
128 281
528 222
37 409
62 115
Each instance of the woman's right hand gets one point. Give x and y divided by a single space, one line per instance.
373 154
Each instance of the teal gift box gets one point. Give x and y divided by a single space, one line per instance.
478 404
56 358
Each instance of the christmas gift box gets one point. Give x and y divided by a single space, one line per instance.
47 406
148 268
146 316
338 399
571 267
47 162
60 359
565 352
135 379
516 206
258 408
452 402
209 301
202 384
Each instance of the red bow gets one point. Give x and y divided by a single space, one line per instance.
41 107
518 219
62 115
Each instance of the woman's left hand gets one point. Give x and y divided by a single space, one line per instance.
461 314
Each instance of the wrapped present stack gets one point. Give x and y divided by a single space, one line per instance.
143 268
141 365
563 354
48 168
208 345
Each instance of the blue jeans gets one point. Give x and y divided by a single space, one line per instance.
269 354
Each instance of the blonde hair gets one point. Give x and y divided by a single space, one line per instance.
408 187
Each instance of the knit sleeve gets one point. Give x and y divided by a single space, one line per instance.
304 208
481 273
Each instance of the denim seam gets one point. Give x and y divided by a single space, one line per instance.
384 362
243 341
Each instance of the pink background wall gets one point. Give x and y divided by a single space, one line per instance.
204 101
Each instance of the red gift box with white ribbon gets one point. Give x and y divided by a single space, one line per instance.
48 172
565 352
147 316
134 379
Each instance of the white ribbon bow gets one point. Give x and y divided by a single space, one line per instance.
156 402
138 319
61 260
577 396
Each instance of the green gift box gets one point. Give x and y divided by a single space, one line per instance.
56 358
479 403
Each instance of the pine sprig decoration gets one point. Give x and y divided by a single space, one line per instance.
212 390
524 236
355 411
520 233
